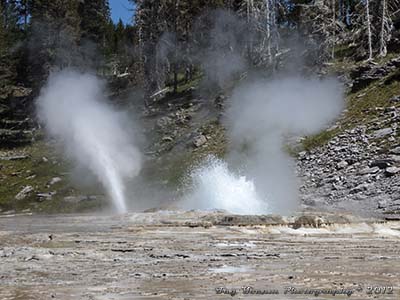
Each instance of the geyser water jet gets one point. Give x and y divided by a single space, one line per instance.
92 133
213 185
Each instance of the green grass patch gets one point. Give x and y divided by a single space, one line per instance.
319 139
361 107
37 170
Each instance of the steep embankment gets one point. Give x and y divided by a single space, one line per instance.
355 165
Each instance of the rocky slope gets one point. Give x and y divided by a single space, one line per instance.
16 128
358 169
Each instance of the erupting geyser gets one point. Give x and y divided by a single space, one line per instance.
213 185
261 115
93 134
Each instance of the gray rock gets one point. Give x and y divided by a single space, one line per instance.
342 164
367 170
199 141
360 197
310 202
24 192
164 122
381 163
382 204
395 150
11 158
392 171
302 154
75 199
395 158
382 133
54 180
46 196
395 99
167 139
360 188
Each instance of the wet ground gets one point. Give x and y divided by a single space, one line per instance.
193 255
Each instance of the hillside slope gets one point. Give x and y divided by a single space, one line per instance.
353 166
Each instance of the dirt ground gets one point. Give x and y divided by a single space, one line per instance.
197 255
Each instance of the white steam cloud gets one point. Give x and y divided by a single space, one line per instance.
93 134
261 115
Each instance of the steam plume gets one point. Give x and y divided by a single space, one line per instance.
262 114
94 135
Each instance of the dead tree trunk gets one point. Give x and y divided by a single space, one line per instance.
333 28
384 30
268 20
369 31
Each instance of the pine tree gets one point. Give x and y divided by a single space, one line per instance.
3 49
151 24
95 20
9 36
54 35
11 20
3 44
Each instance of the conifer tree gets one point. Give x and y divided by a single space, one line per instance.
54 35
95 19
9 36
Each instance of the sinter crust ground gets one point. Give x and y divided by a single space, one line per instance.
187 255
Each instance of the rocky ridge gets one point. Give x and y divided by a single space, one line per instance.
16 128
357 170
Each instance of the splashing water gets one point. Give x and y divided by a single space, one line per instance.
101 163
214 186
93 135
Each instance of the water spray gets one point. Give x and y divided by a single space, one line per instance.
92 133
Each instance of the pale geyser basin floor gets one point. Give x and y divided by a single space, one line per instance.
187 255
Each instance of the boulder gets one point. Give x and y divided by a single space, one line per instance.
383 204
360 188
54 180
78 199
395 150
24 192
199 141
167 139
367 170
343 164
392 171
381 163
46 196
382 133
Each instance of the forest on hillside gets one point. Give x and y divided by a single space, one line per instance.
170 40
